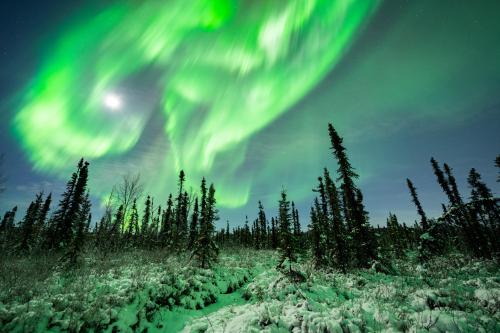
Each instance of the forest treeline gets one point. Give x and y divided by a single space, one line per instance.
339 234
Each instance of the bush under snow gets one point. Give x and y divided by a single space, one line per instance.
139 291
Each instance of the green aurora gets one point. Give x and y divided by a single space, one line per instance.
210 73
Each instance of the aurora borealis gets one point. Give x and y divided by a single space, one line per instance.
222 71
239 92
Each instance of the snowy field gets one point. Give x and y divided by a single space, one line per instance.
158 292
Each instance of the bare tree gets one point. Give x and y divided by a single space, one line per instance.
108 208
129 190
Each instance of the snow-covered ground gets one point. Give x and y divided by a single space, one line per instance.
245 293
449 295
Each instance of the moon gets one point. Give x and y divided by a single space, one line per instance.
113 101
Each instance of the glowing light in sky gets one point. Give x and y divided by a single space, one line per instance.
113 101
215 71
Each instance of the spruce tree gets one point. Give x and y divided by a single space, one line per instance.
463 217
297 233
427 242
322 194
205 249
167 221
262 226
66 221
84 215
287 247
81 226
28 225
484 204
41 219
180 213
256 234
443 182
3 223
274 234
213 213
133 226
366 232
185 217
146 219
482 197
468 219
74 212
321 207
453 185
76 215
74 252
7 228
89 222
338 233
8 220
353 210
246 232
59 232
316 231
396 239
193 227
416 201
155 227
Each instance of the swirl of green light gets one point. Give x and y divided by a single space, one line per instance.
225 69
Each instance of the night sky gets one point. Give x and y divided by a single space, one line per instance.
241 92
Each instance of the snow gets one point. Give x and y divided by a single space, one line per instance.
245 293
366 302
